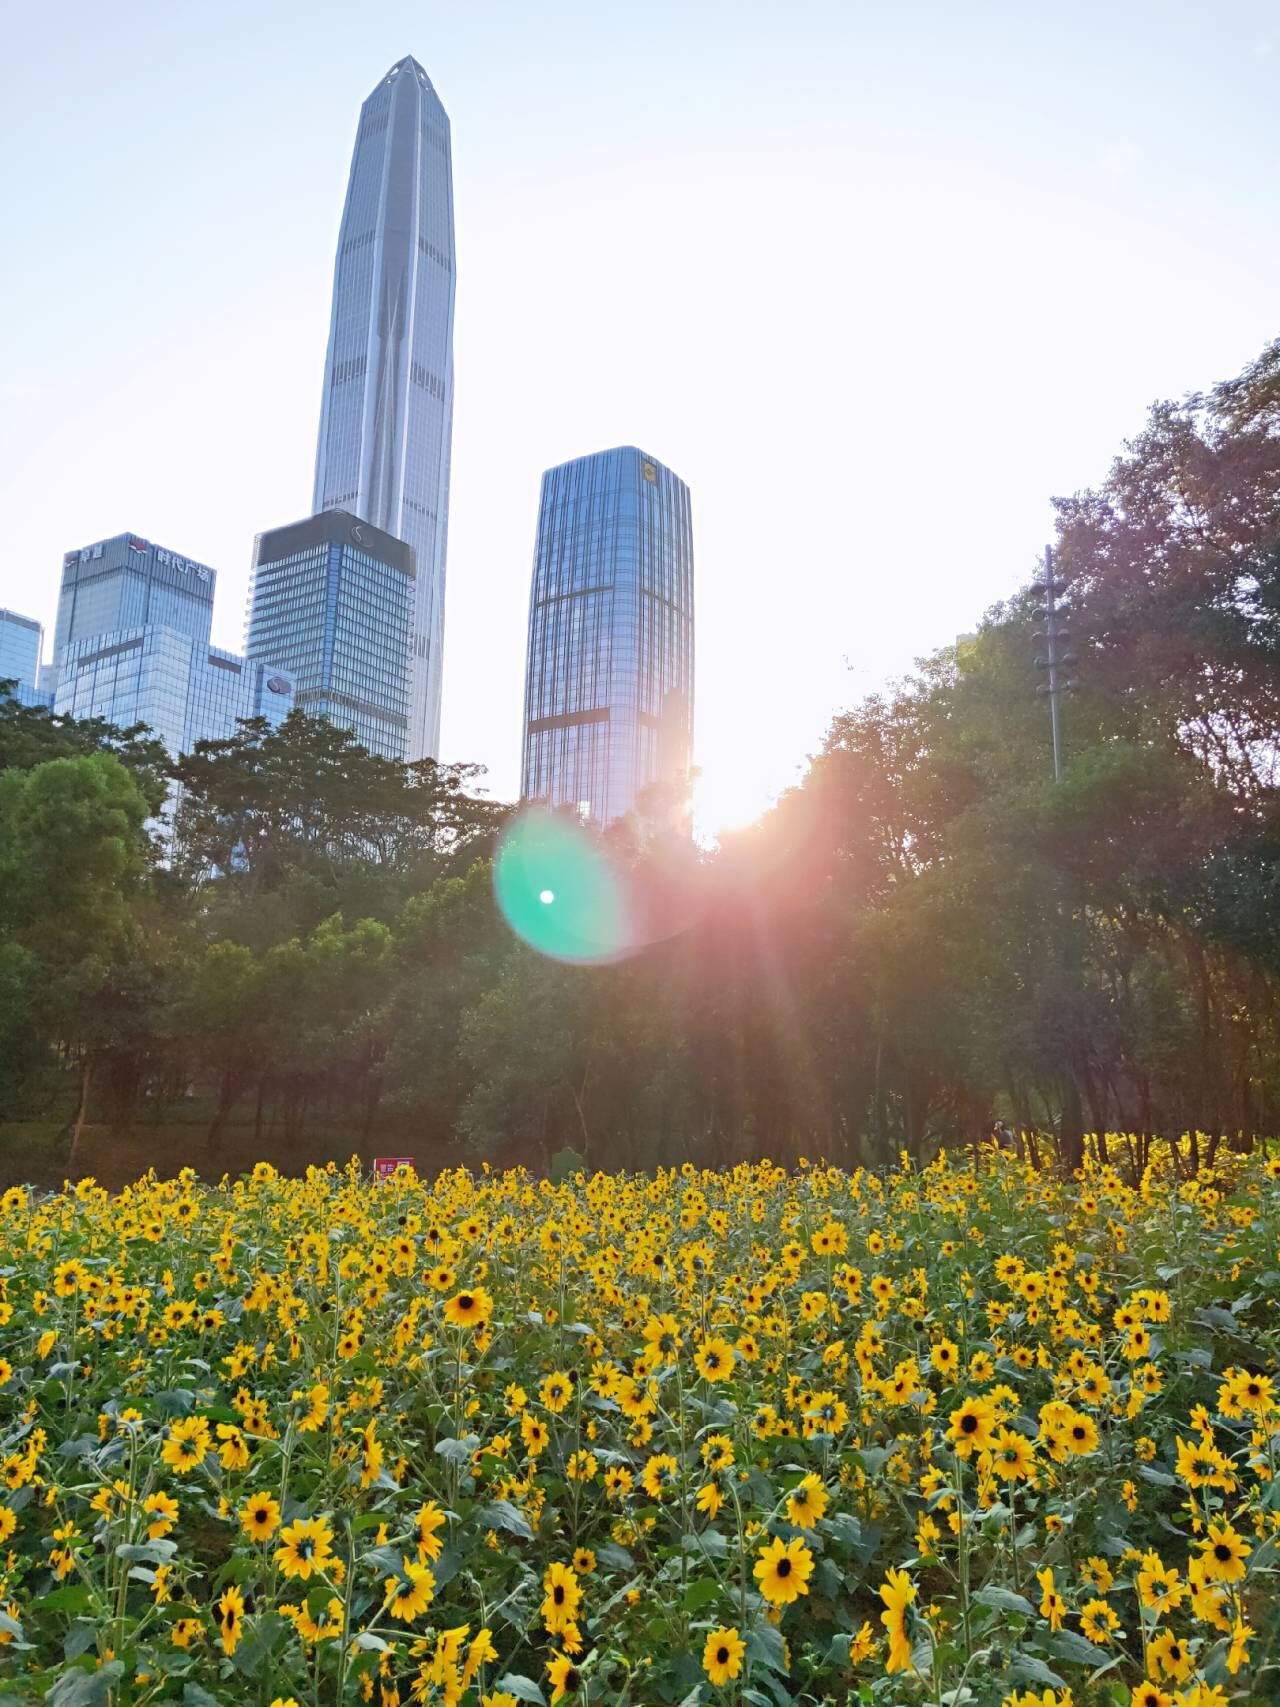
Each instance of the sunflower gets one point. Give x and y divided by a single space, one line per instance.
161 1508
659 1472
306 1547
370 1455
563 1676
1052 1605
1238 1652
1160 1588
897 1592
1013 1456
409 1594
1098 1623
807 1503
186 1444
783 1569
1080 1434
722 1656
469 1309
260 1517
1223 1553
229 1614
427 1520
714 1359
1150 1694
662 1336
562 1596
945 1357
1201 1465
535 1434
1168 1657
556 1391
971 1427
1247 1392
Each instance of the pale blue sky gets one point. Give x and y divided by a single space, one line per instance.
875 279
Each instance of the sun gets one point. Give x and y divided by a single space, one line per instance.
728 796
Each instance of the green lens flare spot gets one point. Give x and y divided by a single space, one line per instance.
557 890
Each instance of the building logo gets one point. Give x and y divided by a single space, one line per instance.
277 684
649 471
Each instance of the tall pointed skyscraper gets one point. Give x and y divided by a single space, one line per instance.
386 419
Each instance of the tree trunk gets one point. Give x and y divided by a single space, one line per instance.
86 1077
1071 1131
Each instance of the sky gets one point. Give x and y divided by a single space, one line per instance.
877 280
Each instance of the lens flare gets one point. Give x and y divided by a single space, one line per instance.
558 891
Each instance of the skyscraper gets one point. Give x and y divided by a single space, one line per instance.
609 680
386 418
132 645
20 641
333 602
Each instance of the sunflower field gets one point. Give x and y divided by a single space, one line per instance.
966 1434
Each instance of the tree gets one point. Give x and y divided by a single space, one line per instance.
73 852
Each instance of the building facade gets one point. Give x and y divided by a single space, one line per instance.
333 601
21 641
609 677
386 416
132 645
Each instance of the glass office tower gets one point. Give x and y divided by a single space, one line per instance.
609 679
21 638
333 601
132 645
386 417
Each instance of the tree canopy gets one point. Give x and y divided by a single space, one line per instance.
926 935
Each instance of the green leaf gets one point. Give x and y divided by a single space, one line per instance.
367 1639
501 1514
1070 1645
1026 1668
81 1447
194 1695
764 1644
700 1593
1004 1600
146 1552
81 1688
78 1639
844 1526
523 1688
175 1402
710 1543
458 1451
617 1558
259 1642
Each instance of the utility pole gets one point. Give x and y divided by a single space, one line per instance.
1053 659
1056 664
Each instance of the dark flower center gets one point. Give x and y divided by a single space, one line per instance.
968 1422
722 1656
465 1301
784 1567
1222 1552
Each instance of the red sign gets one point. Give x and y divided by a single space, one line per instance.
386 1167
